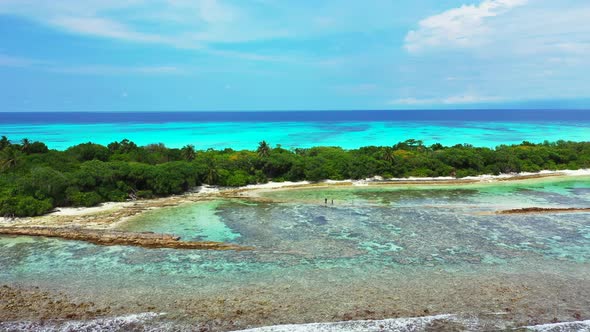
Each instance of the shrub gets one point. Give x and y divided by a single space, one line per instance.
24 206
85 199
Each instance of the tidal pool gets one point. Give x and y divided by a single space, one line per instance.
193 221
378 252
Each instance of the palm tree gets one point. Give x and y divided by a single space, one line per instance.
388 154
4 142
211 172
188 152
9 158
25 145
263 149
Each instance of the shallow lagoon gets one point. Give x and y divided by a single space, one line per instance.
378 252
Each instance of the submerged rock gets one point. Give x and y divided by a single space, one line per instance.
319 221
112 238
542 210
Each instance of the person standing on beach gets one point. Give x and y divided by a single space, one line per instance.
325 201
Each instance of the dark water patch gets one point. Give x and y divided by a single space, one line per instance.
344 128
311 137
418 196
551 197
319 221
580 191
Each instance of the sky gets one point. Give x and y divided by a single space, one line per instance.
160 55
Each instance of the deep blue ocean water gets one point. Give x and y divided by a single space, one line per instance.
297 116
348 129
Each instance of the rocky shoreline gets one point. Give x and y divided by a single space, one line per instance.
112 238
535 210
33 303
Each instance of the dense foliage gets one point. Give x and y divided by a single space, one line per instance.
34 179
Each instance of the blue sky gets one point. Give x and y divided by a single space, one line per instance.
133 55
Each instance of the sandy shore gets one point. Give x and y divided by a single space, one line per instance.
105 216
255 191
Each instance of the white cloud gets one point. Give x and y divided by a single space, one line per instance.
116 70
465 26
104 28
450 100
218 28
12 61
514 50
469 99
196 23
574 47
506 28
181 23
412 101
15 61
358 89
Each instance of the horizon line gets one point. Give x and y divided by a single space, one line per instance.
303 110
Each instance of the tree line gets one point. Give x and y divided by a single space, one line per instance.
34 179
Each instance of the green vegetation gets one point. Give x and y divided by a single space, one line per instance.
34 179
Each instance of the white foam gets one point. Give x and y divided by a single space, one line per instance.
490 177
337 181
205 190
398 324
578 172
377 179
577 326
425 178
146 322
4 220
276 185
119 323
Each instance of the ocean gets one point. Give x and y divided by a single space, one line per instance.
294 129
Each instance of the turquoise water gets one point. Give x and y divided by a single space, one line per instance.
378 252
246 135
192 222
